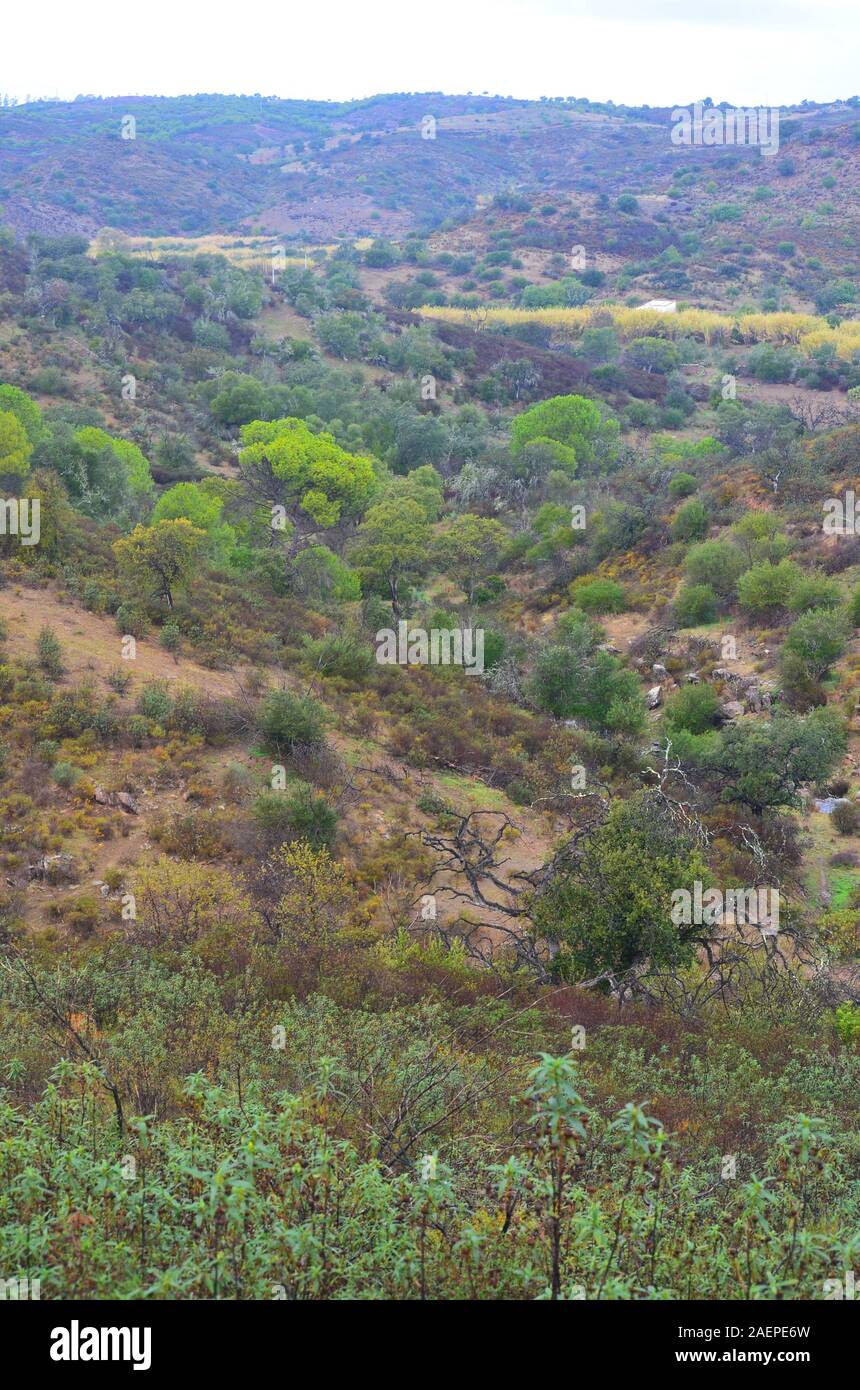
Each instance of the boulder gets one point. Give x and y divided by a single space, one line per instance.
655 696
730 711
54 868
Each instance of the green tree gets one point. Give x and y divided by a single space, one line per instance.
15 448
239 399
392 546
575 421
609 908
27 412
199 504
763 763
469 549
316 481
161 556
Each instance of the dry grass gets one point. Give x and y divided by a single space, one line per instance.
807 331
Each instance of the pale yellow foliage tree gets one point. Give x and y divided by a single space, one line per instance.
182 904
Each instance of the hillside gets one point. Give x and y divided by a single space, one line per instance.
415 629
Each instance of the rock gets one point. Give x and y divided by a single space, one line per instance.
721 673
730 711
607 647
54 868
655 696
122 799
660 671
692 678
758 700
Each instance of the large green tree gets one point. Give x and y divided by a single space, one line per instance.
575 421
316 482
469 549
609 905
764 763
159 557
392 546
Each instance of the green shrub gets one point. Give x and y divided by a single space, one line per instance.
50 653
682 485
298 813
845 817
285 720
815 641
119 680
716 563
767 586
600 596
694 604
154 702
694 708
131 622
339 654
170 637
814 591
690 522
65 774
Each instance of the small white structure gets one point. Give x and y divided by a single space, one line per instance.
660 306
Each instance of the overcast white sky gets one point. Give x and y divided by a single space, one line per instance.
655 51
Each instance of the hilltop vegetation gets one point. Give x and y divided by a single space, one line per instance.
328 973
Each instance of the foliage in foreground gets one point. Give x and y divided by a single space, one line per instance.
257 1195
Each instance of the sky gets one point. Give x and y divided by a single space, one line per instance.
762 52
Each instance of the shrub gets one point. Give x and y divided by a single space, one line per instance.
695 603
170 637
65 774
682 485
814 591
599 596
690 522
716 563
131 622
693 708
82 913
767 586
845 817
50 653
285 720
137 728
298 813
814 642
154 702
119 680
339 654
